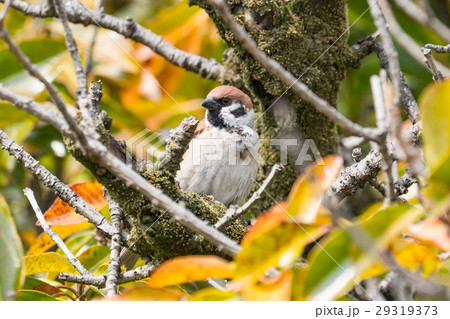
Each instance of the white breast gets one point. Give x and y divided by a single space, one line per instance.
221 163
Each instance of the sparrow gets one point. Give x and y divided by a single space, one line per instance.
222 158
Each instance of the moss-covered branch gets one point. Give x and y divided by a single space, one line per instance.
309 39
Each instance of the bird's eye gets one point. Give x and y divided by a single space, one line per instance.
226 101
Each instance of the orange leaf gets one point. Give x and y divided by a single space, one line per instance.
60 213
277 290
432 231
309 191
190 268
44 242
145 293
269 220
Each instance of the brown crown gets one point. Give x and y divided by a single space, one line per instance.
226 91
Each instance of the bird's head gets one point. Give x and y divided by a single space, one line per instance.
228 106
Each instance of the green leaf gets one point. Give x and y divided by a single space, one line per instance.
47 262
10 254
94 256
338 263
435 110
38 50
213 294
31 282
14 115
33 295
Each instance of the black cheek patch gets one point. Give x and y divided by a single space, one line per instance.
238 112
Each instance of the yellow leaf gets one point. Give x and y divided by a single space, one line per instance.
309 191
47 262
415 256
190 268
279 289
278 247
44 242
266 222
435 110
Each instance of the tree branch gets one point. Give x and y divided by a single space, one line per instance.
100 281
393 103
404 39
277 70
82 89
90 55
33 70
409 103
28 105
77 13
55 185
177 145
99 154
116 214
54 236
437 75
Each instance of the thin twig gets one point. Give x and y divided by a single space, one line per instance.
379 92
34 71
73 49
54 236
90 54
404 39
409 103
4 10
99 154
55 185
28 105
437 75
393 105
431 64
100 281
77 13
82 88
233 212
287 78
438 48
116 214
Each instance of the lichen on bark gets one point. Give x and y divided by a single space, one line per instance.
309 39
154 233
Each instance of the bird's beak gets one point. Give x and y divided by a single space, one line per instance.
210 104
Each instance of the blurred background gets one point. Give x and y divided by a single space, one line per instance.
138 85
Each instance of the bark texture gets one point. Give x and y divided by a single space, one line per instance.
309 39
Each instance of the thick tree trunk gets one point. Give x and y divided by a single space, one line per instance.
309 39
